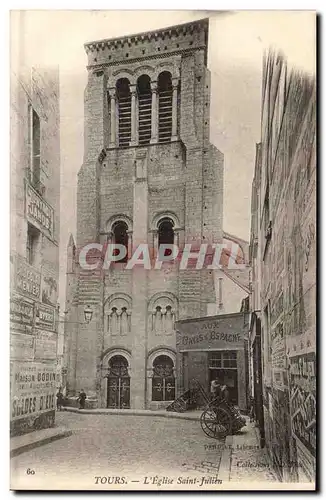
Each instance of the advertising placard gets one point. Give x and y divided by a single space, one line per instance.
33 387
45 345
39 212
27 281
21 347
303 399
21 315
44 317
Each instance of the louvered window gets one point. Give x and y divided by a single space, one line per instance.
144 110
124 106
165 107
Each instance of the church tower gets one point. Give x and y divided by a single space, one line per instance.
150 175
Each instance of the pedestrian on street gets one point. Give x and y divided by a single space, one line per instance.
60 400
82 398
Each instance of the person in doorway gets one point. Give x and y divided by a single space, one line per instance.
82 398
60 399
218 390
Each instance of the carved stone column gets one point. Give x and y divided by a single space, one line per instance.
113 105
133 141
175 85
154 134
129 250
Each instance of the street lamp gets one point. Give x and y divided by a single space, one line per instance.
88 313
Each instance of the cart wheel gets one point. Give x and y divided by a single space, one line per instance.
216 423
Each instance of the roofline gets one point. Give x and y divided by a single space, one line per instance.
234 237
212 318
177 27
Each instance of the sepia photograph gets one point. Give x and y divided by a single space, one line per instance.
163 244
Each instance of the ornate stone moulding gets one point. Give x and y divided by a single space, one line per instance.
165 33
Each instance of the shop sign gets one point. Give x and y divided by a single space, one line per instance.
39 212
33 387
21 316
27 281
44 317
218 332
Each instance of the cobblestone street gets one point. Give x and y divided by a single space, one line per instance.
133 448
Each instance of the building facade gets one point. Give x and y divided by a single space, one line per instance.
34 250
150 176
283 259
213 348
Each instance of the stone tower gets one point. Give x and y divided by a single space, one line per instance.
150 175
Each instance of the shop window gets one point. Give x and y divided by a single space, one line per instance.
223 359
229 359
163 381
223 368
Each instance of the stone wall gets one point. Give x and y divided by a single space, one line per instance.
34 286
287 249
181 179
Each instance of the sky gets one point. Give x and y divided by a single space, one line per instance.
237 40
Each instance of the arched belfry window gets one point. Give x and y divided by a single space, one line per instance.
120 237
164 85
144 109
124 107
165 232
163 382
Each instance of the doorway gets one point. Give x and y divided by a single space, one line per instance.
258 383
118 388
223 367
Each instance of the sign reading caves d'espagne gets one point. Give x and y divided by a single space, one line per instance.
38 212
220 332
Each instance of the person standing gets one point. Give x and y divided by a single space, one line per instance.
60 400
82 398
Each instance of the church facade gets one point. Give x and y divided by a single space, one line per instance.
150 176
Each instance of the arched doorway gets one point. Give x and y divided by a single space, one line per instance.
118 388
163 381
